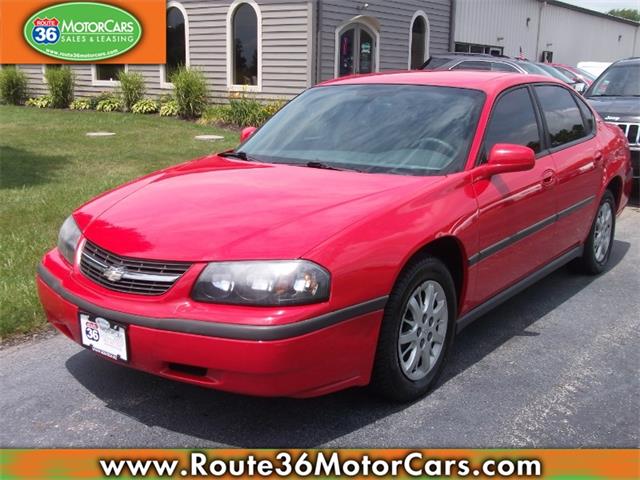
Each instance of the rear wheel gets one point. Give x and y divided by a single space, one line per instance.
597 249
417 331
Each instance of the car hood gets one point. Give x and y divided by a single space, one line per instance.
617 109
221 209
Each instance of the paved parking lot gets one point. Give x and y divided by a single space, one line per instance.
557 366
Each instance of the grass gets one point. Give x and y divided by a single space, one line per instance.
48 167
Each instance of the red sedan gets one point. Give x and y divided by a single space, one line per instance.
348 240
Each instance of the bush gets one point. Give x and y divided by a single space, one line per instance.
169 108
132 89
60 82
94 101
40 102
145 106
190 92
13 86
242 112
80 105
111 104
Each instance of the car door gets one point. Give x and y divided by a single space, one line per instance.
516 210
577 154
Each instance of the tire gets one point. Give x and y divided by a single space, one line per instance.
597 248
393 376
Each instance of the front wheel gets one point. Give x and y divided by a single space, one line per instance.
417 331
597 249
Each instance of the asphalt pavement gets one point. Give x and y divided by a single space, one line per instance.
557 366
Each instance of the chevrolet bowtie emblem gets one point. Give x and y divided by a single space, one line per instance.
114 274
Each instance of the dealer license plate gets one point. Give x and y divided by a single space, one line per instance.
104 337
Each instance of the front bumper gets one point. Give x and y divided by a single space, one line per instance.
312 357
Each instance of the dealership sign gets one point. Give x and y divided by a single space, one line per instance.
82 31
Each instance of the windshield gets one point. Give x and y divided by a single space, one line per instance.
399 129
531 68
435 62
618 81
555 73
584 73
568 73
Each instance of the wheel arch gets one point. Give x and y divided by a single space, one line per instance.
451 252
615 186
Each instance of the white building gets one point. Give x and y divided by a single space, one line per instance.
550 29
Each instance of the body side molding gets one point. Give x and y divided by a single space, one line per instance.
516 288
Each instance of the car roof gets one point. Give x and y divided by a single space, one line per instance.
628 61
488 82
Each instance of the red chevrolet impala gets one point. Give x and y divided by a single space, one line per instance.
348 240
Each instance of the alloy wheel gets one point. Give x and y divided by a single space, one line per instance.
602 232
423 330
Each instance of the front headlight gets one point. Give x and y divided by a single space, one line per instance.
68 239
266 283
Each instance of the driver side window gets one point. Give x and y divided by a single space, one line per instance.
513 120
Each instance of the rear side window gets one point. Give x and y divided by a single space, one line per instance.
562 114
473 65
513 120
589 120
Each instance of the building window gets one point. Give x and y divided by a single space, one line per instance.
107 74
177 42
244 46
475 48
419 41
357 50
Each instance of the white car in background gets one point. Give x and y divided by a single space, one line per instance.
594 68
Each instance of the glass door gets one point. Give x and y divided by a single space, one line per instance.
357 51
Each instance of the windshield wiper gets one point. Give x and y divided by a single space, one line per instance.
326 166
237 154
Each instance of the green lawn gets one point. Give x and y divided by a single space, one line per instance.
48 167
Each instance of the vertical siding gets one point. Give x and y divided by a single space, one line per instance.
575 36
486 21
394 17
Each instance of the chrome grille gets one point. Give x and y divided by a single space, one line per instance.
631 131
129 275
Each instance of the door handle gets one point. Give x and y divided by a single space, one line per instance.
598 158
548 178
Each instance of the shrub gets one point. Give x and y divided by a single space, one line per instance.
111 104
80 104
242 111
132 89
40 102
60 82
94 101
169 108
212 115
145 106
13 86
190 92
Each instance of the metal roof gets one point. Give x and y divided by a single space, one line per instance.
570 6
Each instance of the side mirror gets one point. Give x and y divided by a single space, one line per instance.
246 133
505 157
